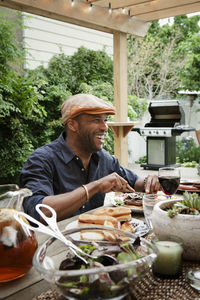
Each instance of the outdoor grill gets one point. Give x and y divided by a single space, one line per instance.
167 121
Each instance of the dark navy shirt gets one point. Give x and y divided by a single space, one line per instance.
54 169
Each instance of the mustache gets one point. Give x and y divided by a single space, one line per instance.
102 133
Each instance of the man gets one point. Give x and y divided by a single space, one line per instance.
73 173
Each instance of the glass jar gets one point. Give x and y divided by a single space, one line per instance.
17 245
169 260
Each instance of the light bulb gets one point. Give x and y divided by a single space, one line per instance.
109 8
90 7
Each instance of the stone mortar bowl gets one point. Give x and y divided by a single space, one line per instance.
187 227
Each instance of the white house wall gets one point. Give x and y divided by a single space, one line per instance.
45 37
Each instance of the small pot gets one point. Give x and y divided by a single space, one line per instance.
187 227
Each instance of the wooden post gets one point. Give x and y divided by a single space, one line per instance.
121 95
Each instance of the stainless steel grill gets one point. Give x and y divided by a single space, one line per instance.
167 121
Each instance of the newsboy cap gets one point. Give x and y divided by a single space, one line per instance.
84 104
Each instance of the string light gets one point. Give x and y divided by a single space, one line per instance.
90 7
109 8
110 11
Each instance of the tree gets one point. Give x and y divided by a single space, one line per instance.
156 63
190 74
154 68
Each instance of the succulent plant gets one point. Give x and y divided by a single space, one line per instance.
192 200
190 205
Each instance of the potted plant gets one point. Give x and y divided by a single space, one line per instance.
180 218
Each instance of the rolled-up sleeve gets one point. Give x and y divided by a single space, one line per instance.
29 204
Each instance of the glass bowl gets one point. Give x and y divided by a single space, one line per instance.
102 278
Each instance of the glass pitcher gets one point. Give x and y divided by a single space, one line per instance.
17 244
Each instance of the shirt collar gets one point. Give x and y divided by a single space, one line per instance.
68 154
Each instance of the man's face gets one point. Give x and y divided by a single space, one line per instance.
92 130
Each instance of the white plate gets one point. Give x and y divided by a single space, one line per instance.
140 228
119 201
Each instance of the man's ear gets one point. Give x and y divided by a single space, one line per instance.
72 125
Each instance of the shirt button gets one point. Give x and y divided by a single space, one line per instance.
82 169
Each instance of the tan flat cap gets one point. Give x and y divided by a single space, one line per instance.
84 103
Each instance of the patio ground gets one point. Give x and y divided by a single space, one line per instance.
189 174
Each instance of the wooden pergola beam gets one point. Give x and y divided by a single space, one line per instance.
81 14
160 9
115 4
121 95
172 12
159 5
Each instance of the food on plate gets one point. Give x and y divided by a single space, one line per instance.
130 200
120 213
103 235
109 217
88 235
98 235
109 224
85 219
126 226
110 236
114 217
189 186
133 202
133 199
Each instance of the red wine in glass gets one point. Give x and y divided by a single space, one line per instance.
169 179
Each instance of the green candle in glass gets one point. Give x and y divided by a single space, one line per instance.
169 261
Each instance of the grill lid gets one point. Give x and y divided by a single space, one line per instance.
165 113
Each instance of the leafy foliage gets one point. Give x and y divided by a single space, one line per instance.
19 105
154 67
165 60
90 65
191 72
187 151
136 107
10 49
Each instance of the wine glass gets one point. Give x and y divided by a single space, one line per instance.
169 179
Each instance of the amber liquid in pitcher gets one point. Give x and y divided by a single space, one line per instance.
17 247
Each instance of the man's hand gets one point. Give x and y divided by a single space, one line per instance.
151 184
113 183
